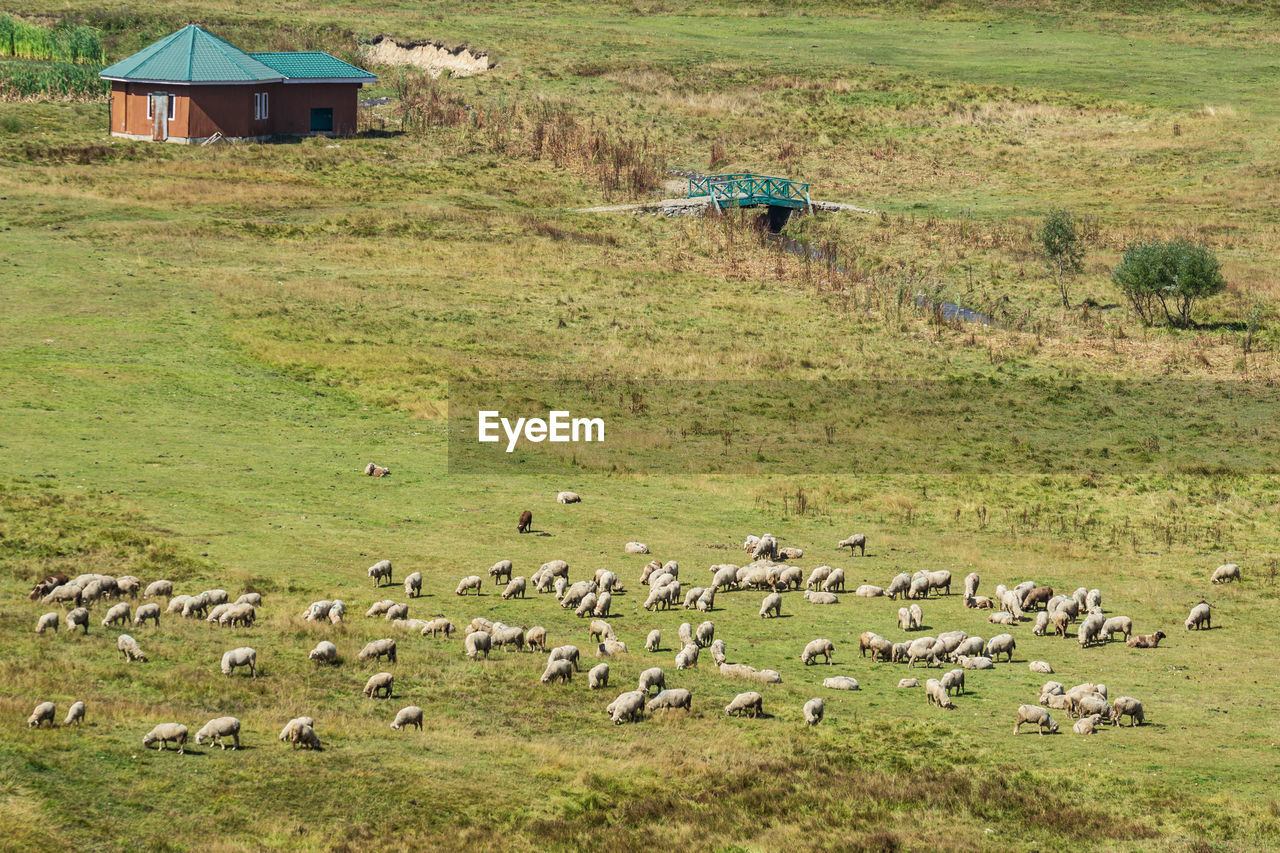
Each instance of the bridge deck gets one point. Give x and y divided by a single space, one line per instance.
745 190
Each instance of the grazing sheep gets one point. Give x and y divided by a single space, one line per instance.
919 588
908 682
435 627
953 679
1117 624
604 603
318 611
766 548
75 715
1042 623
243 656
1127 706
651 570
324 652
969 647
1085 725
971 581
706 601
671 700
935 694
636 548
610 648
922 649
856 541
215 596
900 585
751 703
834 581
196 606
304 735
158 588
691 597
67 593
628 707
571 596
652 677
217 729
467 583
383 682
568 498
502 637
1090 703
215 614
687 658
243 614
128 648
254 598
1200 617
409 715
598 676
726 577
47 621
145 612
705 634
535 638
558 670
1226 573
917 617
525 524
772 605
413 585
607 581
813 710
818 598
652 643
882 649
818 576
380 571
1146 641
117 613
375 470
586 606
286 734
1001 644
569 653
840 682
1037 715
816 648
43 713
1089 630
164 733
1040 667
599 629
176 603
1093 599
79 616
477 642
378 649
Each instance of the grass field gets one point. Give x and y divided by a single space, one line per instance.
200 350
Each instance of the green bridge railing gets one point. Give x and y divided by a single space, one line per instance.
745 190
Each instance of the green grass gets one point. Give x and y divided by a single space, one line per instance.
201 348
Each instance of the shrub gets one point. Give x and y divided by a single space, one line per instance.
1168 278
1062 248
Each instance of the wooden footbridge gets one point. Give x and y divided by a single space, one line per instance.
780 195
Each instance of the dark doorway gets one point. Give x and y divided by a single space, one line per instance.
322 120
778 217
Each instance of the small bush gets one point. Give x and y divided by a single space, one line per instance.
1168 278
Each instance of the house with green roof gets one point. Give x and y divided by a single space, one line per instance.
192 85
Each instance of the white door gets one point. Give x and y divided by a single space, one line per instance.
159 116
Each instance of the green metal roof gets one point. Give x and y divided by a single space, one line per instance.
191 55
301 65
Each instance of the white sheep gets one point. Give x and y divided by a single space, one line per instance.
286 733
772 605
378 649
1117 625
857 540
1127 706
158 588
500 571
586 606
413 585
47 621
1226 573
817 648
598 676
217 729
976 662
177 602
1090 630
636 548
128 648
80 617
654 641
478 642
1201 617
1085 725
324 652
254 598
936 694
515 588
243 656
867 590
1037 715
671 700
834 581
908 683
117 613
164 733
410 715
652 677
821 597
435 627
75 715
569 653
43 713
1040 667
627 707
705 634
147 611
840 682
687 658
751 703
380 571
468 583
568 498
1001 644
717 651
383 682
508 636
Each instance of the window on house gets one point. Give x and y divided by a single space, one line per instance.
150 112
260 106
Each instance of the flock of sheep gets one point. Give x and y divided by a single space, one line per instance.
591 598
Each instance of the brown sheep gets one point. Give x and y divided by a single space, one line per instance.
47 584
377 470
1146 641
1039 595
526 522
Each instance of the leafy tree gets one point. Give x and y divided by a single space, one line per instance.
1063 250
1168 278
